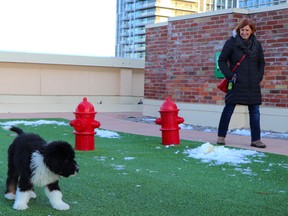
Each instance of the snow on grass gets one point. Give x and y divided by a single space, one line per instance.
106 134
100 133
218 155
129 158
33 123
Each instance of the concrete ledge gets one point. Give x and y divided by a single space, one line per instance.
38 58
38 104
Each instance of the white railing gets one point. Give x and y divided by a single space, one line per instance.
226 4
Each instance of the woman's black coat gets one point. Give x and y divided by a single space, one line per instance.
246 90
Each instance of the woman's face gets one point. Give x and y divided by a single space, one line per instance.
245 32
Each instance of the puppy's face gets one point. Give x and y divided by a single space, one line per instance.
59 157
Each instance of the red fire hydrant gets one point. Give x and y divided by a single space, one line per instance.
169 121
84 126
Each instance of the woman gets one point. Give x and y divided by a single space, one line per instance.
245 79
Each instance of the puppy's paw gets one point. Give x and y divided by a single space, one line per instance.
32 194
20 206
61 206
10 196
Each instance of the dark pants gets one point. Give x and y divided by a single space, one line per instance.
254 117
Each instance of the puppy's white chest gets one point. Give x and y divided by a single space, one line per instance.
41 174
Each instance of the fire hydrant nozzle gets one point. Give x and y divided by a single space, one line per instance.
180 120
84 126
169 121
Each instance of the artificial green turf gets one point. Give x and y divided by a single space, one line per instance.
136 175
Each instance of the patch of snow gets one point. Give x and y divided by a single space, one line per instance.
33 123
100 158
129 158
246 171
186 126
218 155
118 167
106 134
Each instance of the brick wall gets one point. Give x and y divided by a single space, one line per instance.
155 69
180 56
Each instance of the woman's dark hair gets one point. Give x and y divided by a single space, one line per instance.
245 22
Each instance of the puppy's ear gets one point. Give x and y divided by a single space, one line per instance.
59 157
59 150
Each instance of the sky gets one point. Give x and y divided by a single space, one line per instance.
70 27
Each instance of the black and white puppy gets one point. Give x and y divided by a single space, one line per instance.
34 162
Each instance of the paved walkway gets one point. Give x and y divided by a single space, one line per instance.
119 122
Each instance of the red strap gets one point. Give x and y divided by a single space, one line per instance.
238 63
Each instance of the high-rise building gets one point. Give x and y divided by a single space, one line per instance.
133 15
259 3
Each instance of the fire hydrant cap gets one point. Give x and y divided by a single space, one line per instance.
168 105
85 107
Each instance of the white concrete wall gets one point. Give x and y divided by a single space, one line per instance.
57 83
